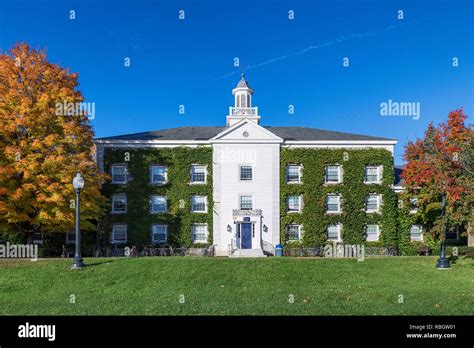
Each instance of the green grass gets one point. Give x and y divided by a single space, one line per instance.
214 286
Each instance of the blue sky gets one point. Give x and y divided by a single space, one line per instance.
190 62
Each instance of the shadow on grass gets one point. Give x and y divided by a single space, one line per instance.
453 259
102 262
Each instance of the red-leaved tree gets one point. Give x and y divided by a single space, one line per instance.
442 162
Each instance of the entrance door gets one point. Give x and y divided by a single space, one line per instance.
246 235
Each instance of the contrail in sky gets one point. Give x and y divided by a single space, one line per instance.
309 48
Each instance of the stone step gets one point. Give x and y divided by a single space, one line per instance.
248 253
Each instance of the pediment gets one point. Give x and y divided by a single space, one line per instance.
246 131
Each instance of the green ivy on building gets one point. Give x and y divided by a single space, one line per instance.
178 191
353 191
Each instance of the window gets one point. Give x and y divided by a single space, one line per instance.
198 174
293 174
333 174
159 233
37 238
334 233
245 173
333 203
294 203
413 205
453 235
372 233
372 174
373 203
119 174
293 232
199 204
119 204
158 204
159 174
199 233
416 233
71 237
246 203
119 234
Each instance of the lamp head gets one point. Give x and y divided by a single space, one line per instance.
78 182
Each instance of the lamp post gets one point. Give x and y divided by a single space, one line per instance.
78 183
443 262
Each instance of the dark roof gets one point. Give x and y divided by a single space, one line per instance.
180 133
243 83
304 133
206 133
398 175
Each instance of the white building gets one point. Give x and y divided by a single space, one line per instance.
246 175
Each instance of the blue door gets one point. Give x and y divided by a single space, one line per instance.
246 235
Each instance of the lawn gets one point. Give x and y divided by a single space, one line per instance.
221 286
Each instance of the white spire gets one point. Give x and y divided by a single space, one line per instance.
242 104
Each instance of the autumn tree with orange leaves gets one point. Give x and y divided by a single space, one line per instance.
443 162
41 149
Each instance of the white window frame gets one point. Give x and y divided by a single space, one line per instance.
379 203
151 174
300 204
339 174
151 205
251 199
367 235
379 174
413 205
112 170
299 232
251 172
299 173
339 210
193 198
193 228
153 233
339 227
113 211
193 166
112 237
420 227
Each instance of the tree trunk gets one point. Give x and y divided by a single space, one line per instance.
470 235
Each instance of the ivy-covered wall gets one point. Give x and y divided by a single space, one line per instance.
178 191
353 193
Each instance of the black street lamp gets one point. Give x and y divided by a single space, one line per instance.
78 183
443 262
